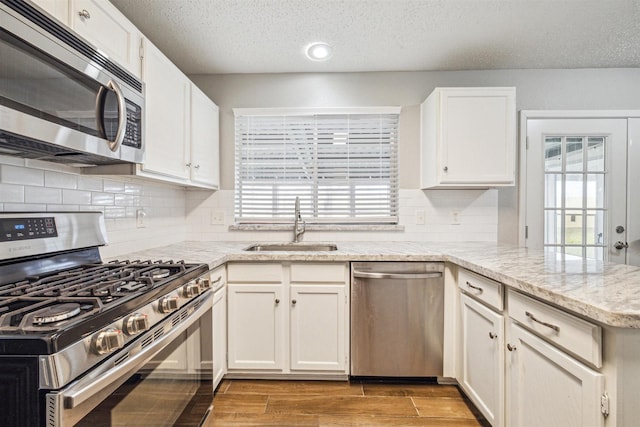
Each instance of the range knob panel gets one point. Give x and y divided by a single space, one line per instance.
191 289
136 323
108 341
168 304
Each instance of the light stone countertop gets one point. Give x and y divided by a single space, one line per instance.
605 292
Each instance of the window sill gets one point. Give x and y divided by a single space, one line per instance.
318 227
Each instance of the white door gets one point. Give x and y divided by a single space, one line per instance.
547 387
576 171
482 376
318 327
255 327
633 194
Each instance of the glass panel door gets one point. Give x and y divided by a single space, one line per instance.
576 186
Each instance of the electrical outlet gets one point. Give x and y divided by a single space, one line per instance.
455 217
140 218
217 217
420 217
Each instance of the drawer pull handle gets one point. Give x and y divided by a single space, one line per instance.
217 280
477 288
493 336
548 325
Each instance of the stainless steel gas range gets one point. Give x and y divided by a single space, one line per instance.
86 342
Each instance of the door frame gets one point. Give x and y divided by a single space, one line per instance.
522 152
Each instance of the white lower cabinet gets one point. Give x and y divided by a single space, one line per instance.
288 318
256 320
318 324
482 352
219 318
549 388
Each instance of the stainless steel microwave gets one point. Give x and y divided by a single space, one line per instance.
61 99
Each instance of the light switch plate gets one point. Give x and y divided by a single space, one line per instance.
140 218
420 217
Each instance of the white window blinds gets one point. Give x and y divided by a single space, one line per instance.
343 166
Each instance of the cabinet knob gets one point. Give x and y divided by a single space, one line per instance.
492 335
446 169
197 166
188 165
84 13
294 302
277 300
511 347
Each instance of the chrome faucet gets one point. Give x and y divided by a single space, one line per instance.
298 223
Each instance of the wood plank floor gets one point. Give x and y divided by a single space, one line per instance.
340 403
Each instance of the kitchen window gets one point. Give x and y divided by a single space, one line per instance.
341 163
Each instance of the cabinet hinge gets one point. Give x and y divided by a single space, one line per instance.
526 231
604 404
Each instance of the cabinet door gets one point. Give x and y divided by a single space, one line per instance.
255 327
549 388
482 375
478 136
167 115
105 27
318 323
219 336
205 156
468 138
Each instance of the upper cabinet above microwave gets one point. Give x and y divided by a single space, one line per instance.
101 24
468 138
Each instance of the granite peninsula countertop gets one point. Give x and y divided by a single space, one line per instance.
605 292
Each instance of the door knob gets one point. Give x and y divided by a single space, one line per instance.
620 245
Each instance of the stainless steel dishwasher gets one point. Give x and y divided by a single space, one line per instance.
397 319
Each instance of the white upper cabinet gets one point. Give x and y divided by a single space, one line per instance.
205 137
468 138
167 105
104 26
59 9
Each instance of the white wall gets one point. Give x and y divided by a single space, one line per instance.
536 89
31 185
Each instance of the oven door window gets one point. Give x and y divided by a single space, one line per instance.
174 388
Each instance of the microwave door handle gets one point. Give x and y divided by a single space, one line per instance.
122 116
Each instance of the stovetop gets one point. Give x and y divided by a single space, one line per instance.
46 313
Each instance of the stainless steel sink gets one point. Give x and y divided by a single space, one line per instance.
292 247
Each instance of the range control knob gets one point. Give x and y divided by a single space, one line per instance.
190 290
168 304
108 340
204 284
136 323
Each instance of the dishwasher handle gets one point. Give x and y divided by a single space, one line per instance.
377 275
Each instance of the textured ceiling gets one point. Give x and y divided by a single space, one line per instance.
269 36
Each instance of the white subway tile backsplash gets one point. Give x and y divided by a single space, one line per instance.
113 212
11 193
113 186
42 195
60 180
24 207
77 197
102 199
63 208
18 175
89 183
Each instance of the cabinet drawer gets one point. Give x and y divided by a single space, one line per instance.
218 277
482 288
318 272
582 338
259 272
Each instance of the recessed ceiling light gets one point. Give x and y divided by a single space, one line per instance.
319 51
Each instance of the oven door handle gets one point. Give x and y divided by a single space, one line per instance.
90 385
